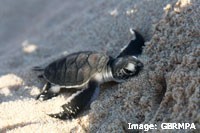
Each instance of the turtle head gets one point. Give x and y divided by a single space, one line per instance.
125 67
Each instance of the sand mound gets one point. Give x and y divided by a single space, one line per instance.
166 91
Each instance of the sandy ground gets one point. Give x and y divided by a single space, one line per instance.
36 32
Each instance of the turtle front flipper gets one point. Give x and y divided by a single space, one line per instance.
78 101
135 46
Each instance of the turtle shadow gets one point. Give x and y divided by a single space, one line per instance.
14 126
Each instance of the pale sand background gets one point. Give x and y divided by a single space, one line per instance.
36 32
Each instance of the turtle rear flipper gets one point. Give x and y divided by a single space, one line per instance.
135 46
48 92
78 101
38 69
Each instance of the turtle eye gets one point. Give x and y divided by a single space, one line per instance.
130 67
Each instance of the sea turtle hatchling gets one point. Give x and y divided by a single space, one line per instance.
85 71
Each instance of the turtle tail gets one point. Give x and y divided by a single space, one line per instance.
38 68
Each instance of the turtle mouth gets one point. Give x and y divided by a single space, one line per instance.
139 66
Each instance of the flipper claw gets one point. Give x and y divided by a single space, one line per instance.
61 115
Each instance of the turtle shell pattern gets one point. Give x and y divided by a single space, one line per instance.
75 69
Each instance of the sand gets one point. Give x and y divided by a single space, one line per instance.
37 32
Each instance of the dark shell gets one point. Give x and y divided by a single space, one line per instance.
75 69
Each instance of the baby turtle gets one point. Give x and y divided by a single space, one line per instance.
85 71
